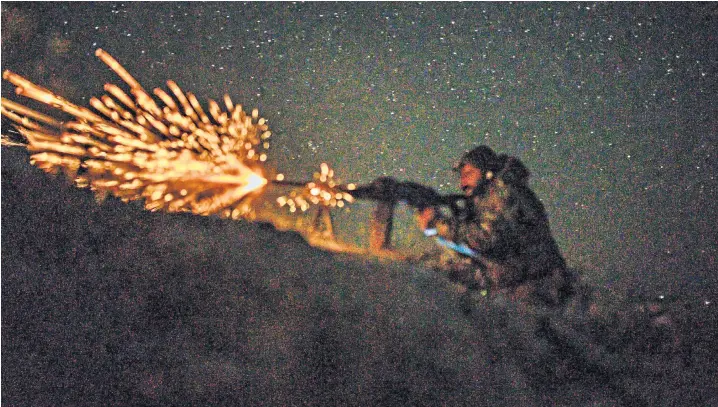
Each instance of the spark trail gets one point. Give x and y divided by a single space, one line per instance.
165 150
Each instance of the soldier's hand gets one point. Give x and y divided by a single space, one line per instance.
425 216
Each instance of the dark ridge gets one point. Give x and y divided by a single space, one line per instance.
108 304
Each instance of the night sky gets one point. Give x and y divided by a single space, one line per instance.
611 105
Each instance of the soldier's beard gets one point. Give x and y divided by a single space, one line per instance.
476 190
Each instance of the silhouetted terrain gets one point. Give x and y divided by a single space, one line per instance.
112 305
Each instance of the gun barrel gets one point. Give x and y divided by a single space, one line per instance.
359 192
289 183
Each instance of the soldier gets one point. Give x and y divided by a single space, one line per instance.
506 229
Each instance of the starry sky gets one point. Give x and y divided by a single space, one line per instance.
611 105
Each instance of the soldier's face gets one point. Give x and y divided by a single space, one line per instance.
469 178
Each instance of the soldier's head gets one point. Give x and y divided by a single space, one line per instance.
475 168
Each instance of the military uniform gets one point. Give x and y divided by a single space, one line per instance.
507 227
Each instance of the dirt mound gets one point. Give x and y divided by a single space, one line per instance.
112 305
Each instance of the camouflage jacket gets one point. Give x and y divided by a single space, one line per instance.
507 226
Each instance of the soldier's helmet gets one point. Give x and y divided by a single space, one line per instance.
481 157
510 169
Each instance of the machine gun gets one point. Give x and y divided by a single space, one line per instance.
387 191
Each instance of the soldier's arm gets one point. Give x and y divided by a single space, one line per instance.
434 223
497 228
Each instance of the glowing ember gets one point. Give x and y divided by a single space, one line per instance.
173 155
323 191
